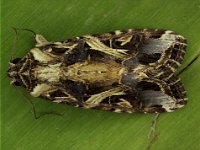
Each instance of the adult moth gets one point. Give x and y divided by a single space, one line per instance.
122 71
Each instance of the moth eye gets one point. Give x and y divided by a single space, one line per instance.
16 60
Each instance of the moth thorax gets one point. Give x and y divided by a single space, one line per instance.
89 72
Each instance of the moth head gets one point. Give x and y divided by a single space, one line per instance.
13 71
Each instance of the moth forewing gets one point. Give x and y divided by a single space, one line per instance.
122 71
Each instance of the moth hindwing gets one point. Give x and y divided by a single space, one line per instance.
122 71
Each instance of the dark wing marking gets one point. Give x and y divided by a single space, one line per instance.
163 51
151 95
177 89
169 97
130 40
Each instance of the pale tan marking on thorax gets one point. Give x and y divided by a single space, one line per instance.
50 73
88 72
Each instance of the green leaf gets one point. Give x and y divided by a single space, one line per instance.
81 129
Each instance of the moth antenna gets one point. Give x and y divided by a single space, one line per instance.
36 116
152 135
30 102
25 29
189 64
13 50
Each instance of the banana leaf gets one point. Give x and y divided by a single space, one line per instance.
80 129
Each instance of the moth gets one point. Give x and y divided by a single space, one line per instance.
122 71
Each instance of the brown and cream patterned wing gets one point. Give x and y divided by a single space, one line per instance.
163 52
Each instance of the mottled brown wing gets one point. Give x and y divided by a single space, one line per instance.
159 52
152 95
162 50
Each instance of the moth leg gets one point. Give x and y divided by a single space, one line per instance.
17 37
152 135
48 113
42 90
152 131
36 115
189 64
33 107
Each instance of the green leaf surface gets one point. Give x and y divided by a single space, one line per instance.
81 129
